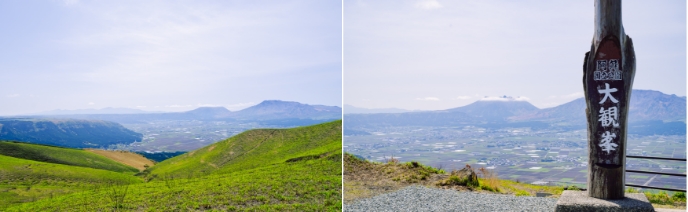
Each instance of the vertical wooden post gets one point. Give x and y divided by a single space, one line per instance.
608 73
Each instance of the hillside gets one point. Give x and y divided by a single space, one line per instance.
66 132
296 169
59 155
26 180
207 113
249 149
128 158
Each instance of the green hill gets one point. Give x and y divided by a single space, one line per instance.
59 155
66 132
24 180
295 169
256 148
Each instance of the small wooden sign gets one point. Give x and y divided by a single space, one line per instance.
606 88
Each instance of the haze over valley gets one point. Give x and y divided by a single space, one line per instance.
155 132
520 141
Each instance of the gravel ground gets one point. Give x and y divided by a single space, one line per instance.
418 198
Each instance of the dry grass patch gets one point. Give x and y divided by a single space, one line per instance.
128 158
363 179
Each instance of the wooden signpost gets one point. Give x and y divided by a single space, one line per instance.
608 73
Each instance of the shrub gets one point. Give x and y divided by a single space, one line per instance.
679 196
522 193
463 177
393 160
490 181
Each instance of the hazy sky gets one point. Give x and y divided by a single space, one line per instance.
167 55
436 54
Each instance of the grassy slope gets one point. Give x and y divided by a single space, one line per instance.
250 173
255 148
59 155
128 158
24 180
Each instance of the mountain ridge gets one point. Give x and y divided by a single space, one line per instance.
266 110
67 132
648 110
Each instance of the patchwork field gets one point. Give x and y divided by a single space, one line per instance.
519 154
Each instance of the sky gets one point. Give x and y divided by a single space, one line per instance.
167 55
436 54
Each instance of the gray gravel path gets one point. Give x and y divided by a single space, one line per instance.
418 198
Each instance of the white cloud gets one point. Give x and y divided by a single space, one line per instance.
504 98
141 106
428 99
464 97
13 95
428 4
91 103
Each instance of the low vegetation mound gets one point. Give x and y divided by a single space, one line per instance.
60 155
464 177
364 179
129 158
255 148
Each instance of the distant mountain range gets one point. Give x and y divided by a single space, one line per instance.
276 109
350 109
651 109
495 110
645 105
265 111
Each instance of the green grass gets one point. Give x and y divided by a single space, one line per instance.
59 155
255 148
565 179
663 198
24 180
307 185
295 169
